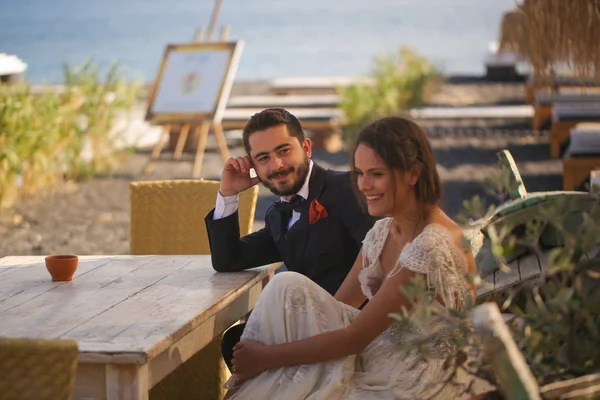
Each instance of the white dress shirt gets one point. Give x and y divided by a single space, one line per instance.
227 205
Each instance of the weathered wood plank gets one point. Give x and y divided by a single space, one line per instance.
136 317
314 101
517 111
559 390
170 358
56 312
130 306
515 380
593 252
90 381
233 114
33 280
127 382
529 266
511 277
487 285
318 82
164 313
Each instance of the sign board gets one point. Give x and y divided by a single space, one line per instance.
193 82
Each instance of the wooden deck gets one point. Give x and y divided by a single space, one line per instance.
294 101
484 112
314 85
311 118
522 269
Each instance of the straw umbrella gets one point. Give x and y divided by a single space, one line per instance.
561 36
513 33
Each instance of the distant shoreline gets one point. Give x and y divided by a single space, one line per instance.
245 87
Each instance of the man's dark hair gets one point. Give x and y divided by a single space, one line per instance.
269 118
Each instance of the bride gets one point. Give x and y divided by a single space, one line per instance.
302 343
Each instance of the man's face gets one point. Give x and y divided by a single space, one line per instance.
280 161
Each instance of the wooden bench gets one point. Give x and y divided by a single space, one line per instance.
313 85
285 101
565 116
576 170
555 84
514 215
544 102
324 123
483 112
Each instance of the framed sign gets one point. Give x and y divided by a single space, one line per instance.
193 83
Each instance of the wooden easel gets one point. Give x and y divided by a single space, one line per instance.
202 129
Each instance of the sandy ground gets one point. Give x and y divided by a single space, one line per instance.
92 217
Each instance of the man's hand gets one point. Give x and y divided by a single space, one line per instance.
250 358
235 177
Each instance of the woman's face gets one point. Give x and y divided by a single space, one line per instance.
386 190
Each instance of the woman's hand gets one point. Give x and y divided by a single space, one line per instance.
250 358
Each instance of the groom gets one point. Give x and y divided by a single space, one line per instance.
317 226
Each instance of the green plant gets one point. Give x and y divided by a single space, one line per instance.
42 136
561 312
558 329
399 81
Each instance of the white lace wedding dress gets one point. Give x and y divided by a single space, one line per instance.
292 307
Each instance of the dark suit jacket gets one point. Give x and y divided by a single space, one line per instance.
323 251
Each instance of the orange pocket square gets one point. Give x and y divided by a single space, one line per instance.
316 212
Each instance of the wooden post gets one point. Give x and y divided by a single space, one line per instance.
200 150
515 380
213 19
205 125
157 149
183 134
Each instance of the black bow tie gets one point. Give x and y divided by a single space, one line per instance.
295 204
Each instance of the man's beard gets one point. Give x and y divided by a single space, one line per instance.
300 173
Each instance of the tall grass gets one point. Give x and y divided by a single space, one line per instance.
400 80
43 135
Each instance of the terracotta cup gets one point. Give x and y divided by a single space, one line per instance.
62 267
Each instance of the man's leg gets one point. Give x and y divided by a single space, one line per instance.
230 338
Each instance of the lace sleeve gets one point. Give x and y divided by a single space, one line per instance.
434 254
374 241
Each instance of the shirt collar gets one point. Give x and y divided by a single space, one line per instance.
304 189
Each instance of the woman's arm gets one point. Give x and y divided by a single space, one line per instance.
350 292
368 324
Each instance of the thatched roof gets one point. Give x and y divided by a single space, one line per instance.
555 34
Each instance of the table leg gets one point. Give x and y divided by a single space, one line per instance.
127 382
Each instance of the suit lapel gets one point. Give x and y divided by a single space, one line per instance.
298 233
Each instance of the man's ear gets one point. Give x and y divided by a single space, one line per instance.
307 147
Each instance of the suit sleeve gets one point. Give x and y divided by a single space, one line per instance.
354 214
231 253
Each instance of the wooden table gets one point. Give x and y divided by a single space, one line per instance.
136 318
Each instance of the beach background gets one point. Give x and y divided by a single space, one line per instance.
282 37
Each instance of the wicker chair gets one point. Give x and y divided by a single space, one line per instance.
37 369
167 217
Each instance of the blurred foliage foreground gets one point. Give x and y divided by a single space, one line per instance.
58 135
555 318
